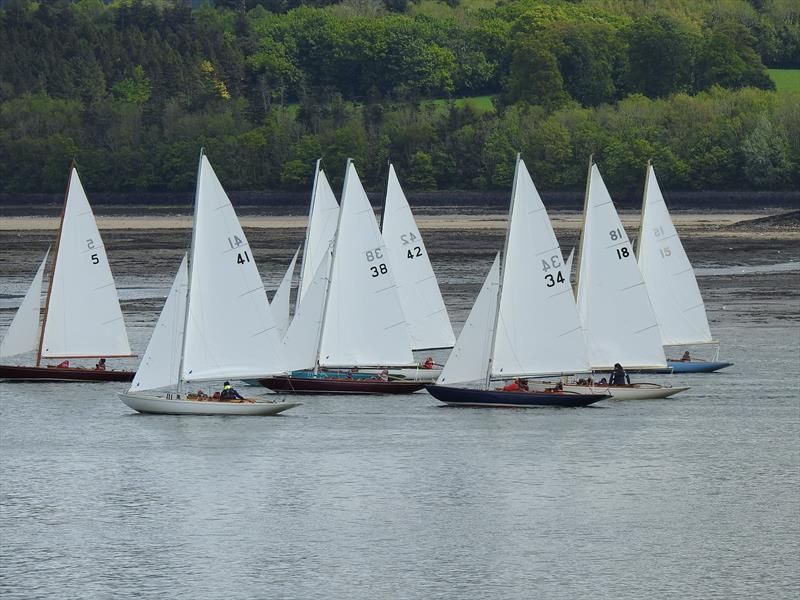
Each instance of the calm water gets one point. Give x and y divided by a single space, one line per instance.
697 496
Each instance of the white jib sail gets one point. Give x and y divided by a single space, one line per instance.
470 356
160 364
280 301
420 297
23 333
668 273
302 339
613 303
230 331
364 324
568 264
538 331
83 315
322 219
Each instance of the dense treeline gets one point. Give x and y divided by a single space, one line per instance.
134 88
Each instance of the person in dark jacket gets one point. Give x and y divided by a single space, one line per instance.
228 393
619 376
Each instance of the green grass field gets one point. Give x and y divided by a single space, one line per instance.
786 80
480 103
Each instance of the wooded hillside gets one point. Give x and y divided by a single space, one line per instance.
133 89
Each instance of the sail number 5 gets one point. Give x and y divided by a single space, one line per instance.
90 245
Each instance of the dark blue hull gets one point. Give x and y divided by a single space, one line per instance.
455 396
696 366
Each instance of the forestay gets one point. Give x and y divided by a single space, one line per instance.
668 273
469 359
322 219
230 331
364 324
280 301
23 333
538 331
613 303
160 365
83 316
420 297
301 342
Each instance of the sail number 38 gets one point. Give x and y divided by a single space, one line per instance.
375 255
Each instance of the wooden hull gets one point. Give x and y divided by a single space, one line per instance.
635 391
329 385
407 373
455 396
696 366
159 405
21 373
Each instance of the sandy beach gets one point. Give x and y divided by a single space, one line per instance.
706 223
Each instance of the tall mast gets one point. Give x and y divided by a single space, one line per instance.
308 230
502 273
53 266
583 226
189 261
644 207
385 193
330 267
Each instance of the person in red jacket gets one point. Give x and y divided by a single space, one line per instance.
518 385
428 364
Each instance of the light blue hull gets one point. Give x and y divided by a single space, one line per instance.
696 366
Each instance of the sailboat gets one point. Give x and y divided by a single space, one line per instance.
355 318
613 302
670 280
82 317
216 323
420 297
524 322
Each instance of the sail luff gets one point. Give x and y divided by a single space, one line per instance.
189 269
488 378
53 266
308 231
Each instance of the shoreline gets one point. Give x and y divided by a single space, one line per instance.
707 223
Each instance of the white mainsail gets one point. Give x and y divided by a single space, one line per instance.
538 331
420 297
613 303
280 301
23 333
364 323
668 273
160 366
301 342
230 331
322 219
470 356
83 317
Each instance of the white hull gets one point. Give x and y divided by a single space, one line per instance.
172 406
635 391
